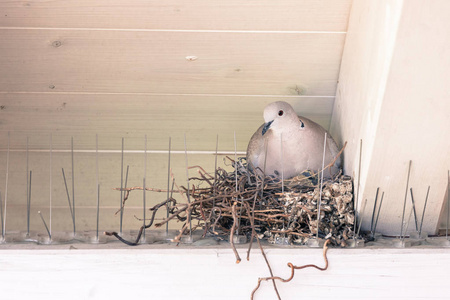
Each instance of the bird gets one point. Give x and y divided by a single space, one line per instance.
294 144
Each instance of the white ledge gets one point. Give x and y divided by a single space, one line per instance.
211 273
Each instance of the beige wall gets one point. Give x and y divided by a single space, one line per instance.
392 94
80 68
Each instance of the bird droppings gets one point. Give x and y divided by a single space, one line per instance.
191 58
336 214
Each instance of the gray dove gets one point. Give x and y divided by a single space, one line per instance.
302 144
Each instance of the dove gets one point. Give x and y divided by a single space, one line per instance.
302 144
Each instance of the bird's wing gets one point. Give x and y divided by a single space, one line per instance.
255 147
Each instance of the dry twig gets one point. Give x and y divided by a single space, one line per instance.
293 268
296 208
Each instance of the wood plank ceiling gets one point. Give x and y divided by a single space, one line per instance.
129 68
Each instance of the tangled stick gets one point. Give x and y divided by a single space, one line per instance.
293 268
289 212
136 242
252 220
233 228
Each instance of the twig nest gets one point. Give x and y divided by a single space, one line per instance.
248 203
336 213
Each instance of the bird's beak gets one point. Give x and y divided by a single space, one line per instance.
266 127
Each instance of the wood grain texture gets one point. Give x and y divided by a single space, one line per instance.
112 117
155 62
314 15
86 187
78 68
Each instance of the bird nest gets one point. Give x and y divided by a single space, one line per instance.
243 203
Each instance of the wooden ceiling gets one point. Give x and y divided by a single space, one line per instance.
77 68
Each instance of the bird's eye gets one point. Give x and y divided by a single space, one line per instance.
280 113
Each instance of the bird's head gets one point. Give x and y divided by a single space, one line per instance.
278 115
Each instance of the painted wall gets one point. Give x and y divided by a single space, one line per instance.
392 94
77 68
